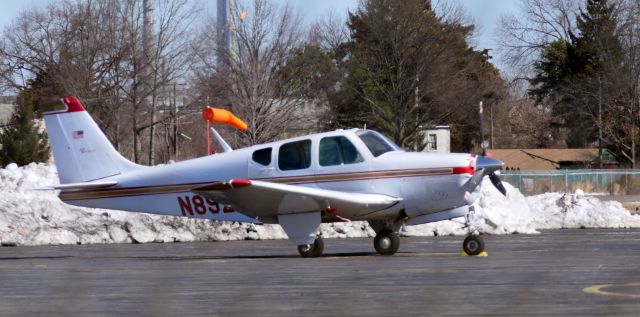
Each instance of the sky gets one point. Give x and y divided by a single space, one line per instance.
485 14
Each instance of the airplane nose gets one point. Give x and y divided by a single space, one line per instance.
489 164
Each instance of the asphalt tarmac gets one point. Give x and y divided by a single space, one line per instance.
556 273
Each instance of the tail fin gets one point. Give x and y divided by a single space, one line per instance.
82 152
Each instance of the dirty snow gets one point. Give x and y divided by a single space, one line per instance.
29 217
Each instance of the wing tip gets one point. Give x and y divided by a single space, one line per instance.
239 183
231 184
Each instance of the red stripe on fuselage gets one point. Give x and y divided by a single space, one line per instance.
463 170
301 179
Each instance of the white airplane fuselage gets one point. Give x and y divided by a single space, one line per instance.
427 182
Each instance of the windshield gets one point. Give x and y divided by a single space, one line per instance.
377 143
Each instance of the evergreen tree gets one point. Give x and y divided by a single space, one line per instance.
579 80
408 69
21 141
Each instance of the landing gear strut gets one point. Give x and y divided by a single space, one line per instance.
473 245
313 250
386 242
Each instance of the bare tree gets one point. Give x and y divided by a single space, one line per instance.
92 49
328 32
520 124
248 79
521 37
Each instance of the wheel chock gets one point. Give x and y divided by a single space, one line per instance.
483 253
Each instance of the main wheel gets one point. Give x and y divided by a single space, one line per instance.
386 242
473 245
312 250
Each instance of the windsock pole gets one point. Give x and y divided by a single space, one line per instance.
208 138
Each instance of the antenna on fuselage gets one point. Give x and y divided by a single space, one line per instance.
225 146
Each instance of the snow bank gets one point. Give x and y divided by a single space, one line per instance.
494 214
30 217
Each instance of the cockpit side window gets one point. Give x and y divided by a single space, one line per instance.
295 155
262 156
376 143
338 151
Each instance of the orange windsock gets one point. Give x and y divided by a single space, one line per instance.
216 115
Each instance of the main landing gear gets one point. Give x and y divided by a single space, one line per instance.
313 250
386 242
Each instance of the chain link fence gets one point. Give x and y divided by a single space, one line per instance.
612 182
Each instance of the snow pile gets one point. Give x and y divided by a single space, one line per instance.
494 214
29 217
555 210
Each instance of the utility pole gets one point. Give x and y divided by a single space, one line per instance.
148 22
480 114
600 120
175 123
491 127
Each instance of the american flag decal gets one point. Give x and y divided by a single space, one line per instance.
77 134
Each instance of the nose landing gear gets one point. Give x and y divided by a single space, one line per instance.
473 245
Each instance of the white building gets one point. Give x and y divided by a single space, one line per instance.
6 110
438 139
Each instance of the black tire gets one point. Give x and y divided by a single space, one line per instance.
386 242
473 245
312 250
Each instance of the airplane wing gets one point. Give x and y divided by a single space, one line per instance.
297 208
260 196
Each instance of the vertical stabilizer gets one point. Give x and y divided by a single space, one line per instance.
82 152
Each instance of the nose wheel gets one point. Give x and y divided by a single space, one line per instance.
313 250
386 242
473 245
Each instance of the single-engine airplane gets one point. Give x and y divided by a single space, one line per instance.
342 175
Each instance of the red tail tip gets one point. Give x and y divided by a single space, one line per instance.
73 104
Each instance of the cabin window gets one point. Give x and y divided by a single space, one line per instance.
376 143
338 151
262 157
295 155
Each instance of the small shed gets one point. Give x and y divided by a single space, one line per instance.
437 139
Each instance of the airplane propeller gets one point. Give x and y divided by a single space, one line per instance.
489 164
495 180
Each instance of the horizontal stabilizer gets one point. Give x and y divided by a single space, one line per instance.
86 185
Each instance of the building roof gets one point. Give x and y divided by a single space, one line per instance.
543 159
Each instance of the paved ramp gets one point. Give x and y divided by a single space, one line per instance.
561 273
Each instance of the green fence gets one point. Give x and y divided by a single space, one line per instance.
613 182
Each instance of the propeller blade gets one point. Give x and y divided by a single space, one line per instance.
495 180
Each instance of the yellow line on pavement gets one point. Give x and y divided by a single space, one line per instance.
598 289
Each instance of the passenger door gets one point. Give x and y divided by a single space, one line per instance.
340 164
